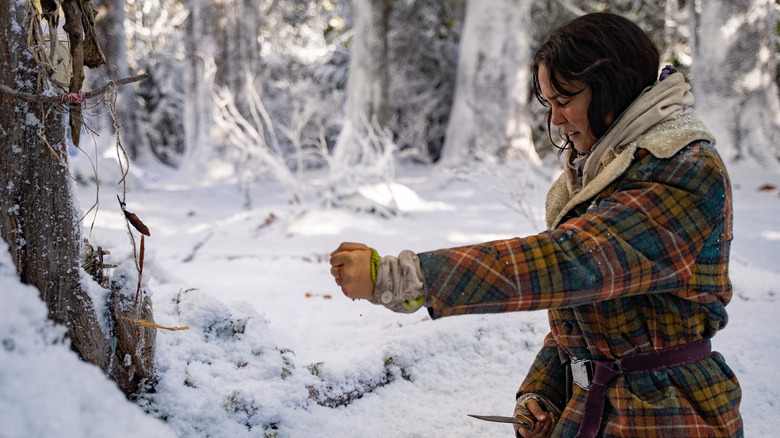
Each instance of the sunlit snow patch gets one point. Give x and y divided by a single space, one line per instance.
404 198
771 235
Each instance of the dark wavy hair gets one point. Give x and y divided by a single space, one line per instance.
608 53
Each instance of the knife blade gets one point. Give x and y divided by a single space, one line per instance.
524 422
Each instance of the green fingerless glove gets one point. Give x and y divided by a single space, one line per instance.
374 264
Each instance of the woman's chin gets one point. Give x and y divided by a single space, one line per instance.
580 145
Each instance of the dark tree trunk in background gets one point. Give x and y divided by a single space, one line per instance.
237 48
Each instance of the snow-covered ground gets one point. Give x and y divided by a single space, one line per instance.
271 335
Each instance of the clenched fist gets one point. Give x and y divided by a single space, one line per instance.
351 267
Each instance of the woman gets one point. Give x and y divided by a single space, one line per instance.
633 267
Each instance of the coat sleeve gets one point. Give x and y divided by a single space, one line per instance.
642 237
547 375
400 283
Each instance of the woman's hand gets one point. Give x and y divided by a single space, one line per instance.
351 267
545 421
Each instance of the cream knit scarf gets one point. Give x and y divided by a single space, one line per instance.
654 121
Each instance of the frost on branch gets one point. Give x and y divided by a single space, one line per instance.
364 158
254 137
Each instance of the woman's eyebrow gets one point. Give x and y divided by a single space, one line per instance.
554 97
558 95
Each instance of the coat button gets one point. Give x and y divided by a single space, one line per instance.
566 327
387 297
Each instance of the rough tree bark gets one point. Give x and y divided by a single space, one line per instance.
38 218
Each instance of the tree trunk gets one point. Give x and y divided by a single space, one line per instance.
110 23
368 80
490 110
733 77
198 121
38 218
368 70
237 48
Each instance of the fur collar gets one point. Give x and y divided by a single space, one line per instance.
663 140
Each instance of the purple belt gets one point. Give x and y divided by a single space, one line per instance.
604 372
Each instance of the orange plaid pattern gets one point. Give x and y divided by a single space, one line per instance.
642 267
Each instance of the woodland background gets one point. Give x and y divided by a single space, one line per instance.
272 86
265 133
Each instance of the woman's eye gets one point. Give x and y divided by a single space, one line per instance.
563 102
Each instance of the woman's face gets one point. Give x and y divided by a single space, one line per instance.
569 113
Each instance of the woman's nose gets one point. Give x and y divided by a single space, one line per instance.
556 117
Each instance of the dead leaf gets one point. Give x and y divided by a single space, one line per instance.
268 221
136 223
323 296
133 219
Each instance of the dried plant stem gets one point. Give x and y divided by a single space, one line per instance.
140 269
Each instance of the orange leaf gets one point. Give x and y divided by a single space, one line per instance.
150 324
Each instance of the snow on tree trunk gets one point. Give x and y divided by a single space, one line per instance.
490 110
38 218
367 83
733 76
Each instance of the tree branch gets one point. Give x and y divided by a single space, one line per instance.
37 98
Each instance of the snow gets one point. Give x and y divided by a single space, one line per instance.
45 390
270 333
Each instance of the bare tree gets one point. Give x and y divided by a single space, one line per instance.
38 218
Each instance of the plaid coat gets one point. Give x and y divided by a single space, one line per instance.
639 266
